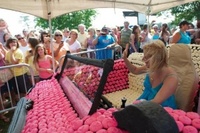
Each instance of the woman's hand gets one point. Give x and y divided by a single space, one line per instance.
49 70
125 52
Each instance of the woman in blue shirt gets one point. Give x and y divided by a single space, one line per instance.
180 36
161 81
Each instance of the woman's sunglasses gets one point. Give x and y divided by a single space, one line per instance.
20 38
58 35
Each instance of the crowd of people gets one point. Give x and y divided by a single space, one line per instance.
34 48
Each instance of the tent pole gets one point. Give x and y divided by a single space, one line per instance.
50 31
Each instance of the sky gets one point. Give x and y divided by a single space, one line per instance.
106 16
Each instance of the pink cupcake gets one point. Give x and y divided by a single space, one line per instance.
179 112
189 129
180 125
192 115
96 126
196 123
185 120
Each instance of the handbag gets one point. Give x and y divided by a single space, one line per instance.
5 75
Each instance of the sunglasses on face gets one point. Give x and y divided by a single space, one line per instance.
20 38
58 35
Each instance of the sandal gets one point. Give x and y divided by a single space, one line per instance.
5 119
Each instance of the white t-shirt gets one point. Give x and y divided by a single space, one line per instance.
74 47
24 49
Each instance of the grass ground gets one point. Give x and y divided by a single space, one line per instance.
5 125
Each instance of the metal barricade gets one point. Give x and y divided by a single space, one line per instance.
10 94
116 53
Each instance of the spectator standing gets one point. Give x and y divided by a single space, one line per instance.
73 44
23 45
156 34
164 34
82 35
33 42
145 37
16 56
43 63
88 41
180 36
197 33
135 39
3 29
45 40
60 47
104 40
6 36
66 32
125 35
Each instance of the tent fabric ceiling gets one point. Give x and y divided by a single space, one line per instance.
40 8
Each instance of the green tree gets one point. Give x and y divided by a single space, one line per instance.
70 20
189 11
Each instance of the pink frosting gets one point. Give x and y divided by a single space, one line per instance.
83 128
96 126
180 125
179 112
90 120
185 120
189 129
76 124
114 130
175 116
196 123
102 131
192 115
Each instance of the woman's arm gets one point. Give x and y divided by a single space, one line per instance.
169 88
58 49
132 68
176 37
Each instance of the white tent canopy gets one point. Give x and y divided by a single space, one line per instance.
41 8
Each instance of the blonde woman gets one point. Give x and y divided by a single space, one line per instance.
72 43
60 47
161 81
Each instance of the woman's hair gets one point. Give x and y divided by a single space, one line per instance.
157 52
145 26
57 32
4 36
75 31
137 35
33 42
10 40
41 36
93 30
36 55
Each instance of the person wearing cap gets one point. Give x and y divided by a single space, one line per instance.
180 36
104 40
